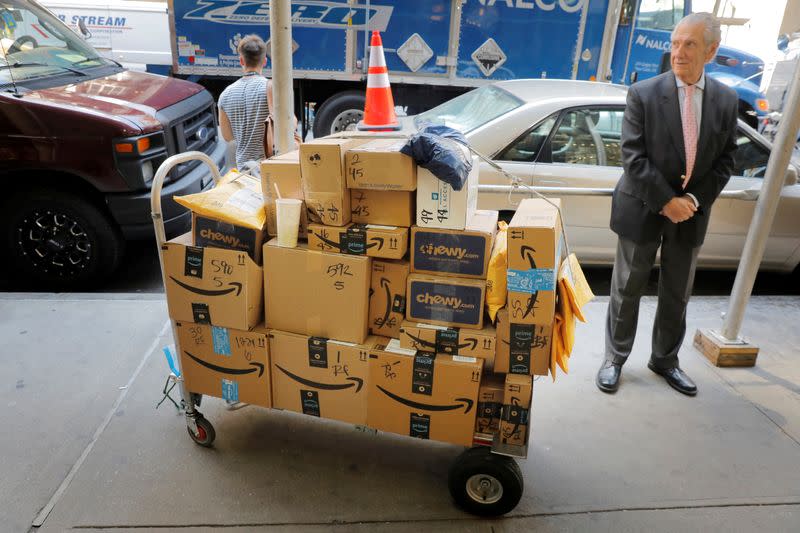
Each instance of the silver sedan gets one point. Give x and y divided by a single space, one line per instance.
563 133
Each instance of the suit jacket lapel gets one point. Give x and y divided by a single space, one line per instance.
671 112
706 119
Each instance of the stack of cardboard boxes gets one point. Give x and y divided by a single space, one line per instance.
375 320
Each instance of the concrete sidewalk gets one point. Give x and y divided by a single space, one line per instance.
82 437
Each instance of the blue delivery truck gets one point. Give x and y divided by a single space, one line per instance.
437 49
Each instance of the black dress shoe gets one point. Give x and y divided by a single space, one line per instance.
676 378
608 377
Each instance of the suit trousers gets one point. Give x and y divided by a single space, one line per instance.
632 266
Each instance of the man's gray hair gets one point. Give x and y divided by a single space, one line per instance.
712 32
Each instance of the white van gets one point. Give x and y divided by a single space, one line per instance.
132 32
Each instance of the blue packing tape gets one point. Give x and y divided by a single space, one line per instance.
169 353
532 280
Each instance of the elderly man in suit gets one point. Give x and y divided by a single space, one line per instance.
678 142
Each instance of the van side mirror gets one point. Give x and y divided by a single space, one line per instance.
634 77
791 175
84 30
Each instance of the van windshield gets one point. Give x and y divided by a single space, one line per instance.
34 44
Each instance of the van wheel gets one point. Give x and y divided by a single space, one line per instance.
340 112
56 240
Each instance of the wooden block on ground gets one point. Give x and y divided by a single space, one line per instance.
721 353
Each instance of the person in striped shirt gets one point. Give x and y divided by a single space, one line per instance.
245 104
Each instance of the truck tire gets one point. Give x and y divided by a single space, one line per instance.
340 112
57 240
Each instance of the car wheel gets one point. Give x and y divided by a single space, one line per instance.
57 240
340 112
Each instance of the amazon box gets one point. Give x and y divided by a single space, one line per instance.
379 165
320 377
387 297
445 301
478 343
212 286
226 363
316 293
284 171
211 232
439 206
324 185
522 348
387 242
515 413
423 395
464 253
534 253
391 208
490 403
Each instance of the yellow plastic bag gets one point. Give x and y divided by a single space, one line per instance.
496 287
237 199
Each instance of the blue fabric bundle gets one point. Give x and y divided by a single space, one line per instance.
437 149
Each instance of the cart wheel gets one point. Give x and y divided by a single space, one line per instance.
205 432
484 483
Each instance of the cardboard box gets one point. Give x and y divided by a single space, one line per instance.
378 164
515 414
464 253
534 253
490 403
387 242
528 353
387 297
391 208
284 171
423 395
324 184
456 302
210 232
226 363
478 343
439 206
211 285
320 377
316 293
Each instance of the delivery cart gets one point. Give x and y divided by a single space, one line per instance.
484 480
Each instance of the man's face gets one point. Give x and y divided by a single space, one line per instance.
689 52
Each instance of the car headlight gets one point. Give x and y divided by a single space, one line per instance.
137 157
147 172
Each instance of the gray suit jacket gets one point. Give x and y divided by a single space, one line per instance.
654 158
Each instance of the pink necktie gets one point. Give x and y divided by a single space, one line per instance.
689 132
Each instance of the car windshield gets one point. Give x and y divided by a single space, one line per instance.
34 44
471 110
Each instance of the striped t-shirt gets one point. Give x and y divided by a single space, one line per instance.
245 103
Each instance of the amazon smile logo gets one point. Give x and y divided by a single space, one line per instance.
465 403
235 286
257 367
526 252
374 241
385 284
354 382
470 344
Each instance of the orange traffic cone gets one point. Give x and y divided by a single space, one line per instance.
379 108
